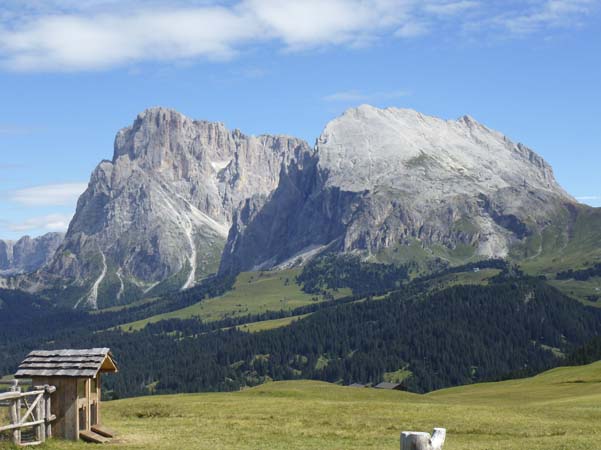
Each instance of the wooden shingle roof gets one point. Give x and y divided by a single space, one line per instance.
84 363
390 386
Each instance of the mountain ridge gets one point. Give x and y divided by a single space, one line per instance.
394 178
159 211
27 254
182 199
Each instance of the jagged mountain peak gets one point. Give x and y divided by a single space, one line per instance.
367 146
160 210
28 254
390 178
157 215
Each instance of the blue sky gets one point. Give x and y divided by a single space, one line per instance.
74 72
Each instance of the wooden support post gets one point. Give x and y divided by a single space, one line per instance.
15 413
40 412
48 405
412 440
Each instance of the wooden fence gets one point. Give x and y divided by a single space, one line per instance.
38 415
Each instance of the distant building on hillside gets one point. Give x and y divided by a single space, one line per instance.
358 385
391 386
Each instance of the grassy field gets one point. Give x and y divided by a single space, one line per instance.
253 293
560 409
264 325
558 251
480 278
580 290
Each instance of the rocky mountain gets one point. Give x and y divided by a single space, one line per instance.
27 254
156 216
397 184
181 199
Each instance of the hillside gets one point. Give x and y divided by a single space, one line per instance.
252 293
437 332
552 411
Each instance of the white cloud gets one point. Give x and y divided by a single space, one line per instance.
87 41
355 96
70 35
50 222
65 194
585 198
77 42
546 14
313 23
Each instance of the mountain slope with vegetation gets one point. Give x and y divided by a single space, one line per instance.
437 331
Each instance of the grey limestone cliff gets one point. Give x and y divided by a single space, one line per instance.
160 210
27 254
382 180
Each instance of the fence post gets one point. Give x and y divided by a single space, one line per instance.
15 413
48 390
40 413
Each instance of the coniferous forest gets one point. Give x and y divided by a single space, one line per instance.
514 326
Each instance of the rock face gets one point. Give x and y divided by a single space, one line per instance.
27 254
391 184
396 180
160 210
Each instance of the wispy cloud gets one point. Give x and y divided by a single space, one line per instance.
70 35
412 30
64 194
586 198
541 15
354 96
450 8
50 222
94 40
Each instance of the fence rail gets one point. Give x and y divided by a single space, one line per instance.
37 405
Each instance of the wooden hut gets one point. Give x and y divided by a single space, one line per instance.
76 375
391 386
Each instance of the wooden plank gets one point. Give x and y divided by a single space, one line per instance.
10 395
61 365
40 430
42 373
29 444
103 431
71 411
49 416
12 426
13 395
71 352
64 358
58 425
98 397
14 412
90 436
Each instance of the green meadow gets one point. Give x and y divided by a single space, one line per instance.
559 409
253 293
